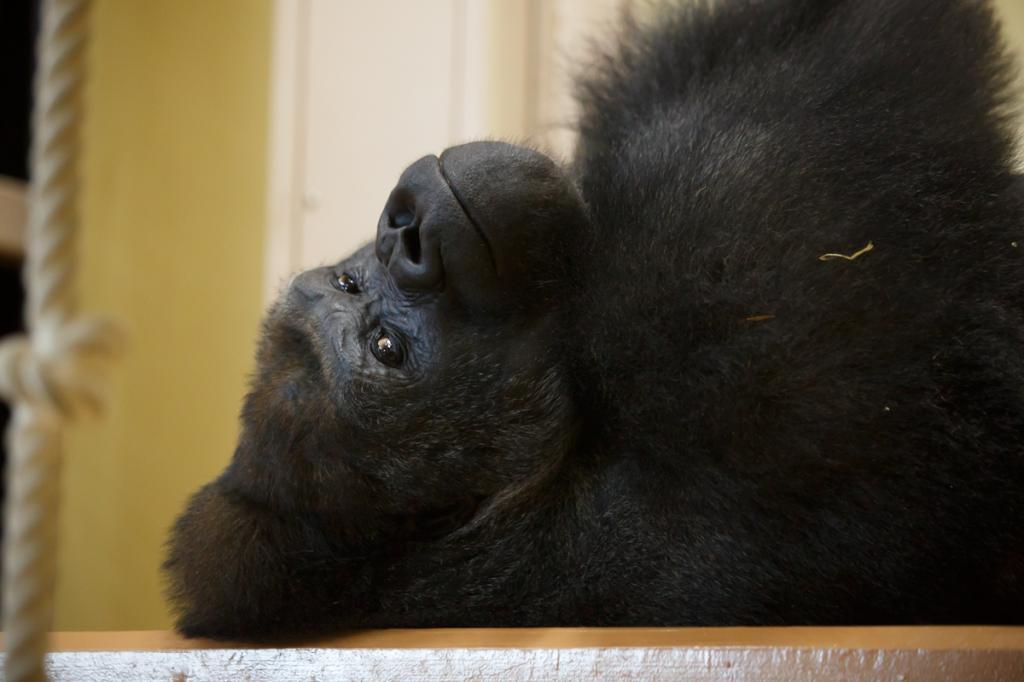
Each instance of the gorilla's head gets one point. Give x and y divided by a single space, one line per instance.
400 389
419 376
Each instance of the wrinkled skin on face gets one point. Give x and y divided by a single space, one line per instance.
630 391
429 354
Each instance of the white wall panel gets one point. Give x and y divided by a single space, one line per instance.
380 93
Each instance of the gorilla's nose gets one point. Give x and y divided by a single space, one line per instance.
421 224
487 223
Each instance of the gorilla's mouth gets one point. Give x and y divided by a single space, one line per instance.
465 209
427 238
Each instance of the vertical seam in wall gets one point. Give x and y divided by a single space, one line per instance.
531 99
457 88
300 135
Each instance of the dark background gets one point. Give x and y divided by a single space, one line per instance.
18 24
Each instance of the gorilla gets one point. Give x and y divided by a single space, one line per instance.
754 356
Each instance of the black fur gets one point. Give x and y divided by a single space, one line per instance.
684 416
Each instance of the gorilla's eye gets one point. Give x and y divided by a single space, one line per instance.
345 282
386 348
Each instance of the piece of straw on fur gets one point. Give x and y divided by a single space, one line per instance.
853 256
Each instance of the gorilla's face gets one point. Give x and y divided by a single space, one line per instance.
400 389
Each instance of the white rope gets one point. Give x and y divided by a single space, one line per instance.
52 375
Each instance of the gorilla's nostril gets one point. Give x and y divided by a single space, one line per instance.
411 242
400 218
420 215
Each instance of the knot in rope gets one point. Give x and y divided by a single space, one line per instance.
59 368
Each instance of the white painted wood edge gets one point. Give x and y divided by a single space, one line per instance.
511 664
737 653
13 215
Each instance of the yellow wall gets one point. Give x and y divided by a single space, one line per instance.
175 168
1012 13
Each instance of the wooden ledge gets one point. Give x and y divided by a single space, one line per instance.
880 638
797 653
